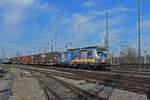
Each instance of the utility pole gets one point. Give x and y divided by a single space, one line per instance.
39 50
120 46
3 54
111 58
17 49
17 46
107 32
56 40
139 36
125 47
45 48
28 52
145 57
51 47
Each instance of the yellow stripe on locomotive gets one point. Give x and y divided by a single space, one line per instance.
89 60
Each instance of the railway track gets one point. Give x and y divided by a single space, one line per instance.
44 87
61 90
115 69
130 83
137 84
132 72
112 81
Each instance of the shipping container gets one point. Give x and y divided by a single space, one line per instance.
26 59
49 58
35 59
16 60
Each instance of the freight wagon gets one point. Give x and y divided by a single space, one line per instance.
38 59
94 57
16 60
35 59
25 59
6 61
48 58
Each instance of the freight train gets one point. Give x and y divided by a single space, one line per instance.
94 57
5 61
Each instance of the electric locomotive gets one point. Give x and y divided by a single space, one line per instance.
93 57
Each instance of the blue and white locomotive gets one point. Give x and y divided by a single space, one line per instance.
93 57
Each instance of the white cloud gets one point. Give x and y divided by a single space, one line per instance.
79 18
12 17
112 11
145 25
11 3
22 2
83 24
89 3
145 33
15 11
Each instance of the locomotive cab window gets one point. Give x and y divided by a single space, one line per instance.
99 53
89 54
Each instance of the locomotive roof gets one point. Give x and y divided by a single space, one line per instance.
90 47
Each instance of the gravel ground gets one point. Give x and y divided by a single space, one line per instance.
26 88
59 89
4 83
106 92
61 72
4 87
125 95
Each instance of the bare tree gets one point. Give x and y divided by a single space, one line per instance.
148 59
128 55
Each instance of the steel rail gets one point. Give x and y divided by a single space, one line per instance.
85 94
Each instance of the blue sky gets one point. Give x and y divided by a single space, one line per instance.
33 23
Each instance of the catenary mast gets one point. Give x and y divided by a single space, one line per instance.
139 36
107 33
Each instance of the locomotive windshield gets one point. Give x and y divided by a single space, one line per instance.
102 54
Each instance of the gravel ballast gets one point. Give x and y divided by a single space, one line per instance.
26 87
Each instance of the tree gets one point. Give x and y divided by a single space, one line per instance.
128 55
148 59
